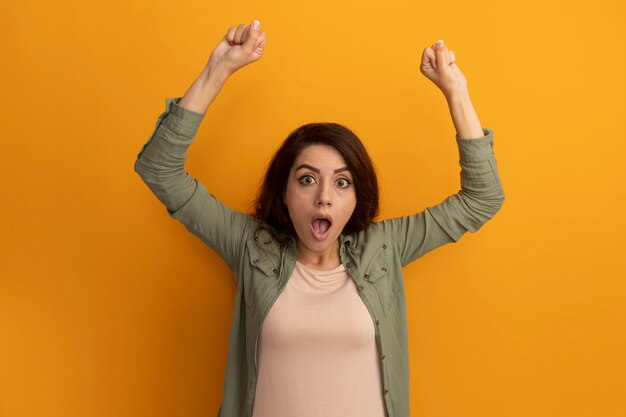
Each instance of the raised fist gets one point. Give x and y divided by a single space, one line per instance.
439 66
239 47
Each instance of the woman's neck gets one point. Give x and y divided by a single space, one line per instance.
325 260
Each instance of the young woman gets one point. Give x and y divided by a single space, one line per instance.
319 326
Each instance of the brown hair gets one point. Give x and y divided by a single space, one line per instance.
269 205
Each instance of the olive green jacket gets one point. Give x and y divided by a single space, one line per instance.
373 258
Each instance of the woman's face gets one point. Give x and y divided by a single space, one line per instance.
320 197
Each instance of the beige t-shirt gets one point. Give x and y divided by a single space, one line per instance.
317 354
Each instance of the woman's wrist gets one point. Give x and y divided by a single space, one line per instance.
216 71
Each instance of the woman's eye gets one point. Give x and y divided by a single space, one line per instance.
343 183
307 180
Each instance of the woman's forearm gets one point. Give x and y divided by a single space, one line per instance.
161 161
204 89
464 117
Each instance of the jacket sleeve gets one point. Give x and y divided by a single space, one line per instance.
480 198
160 164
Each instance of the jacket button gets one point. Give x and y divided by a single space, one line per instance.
256 238
384 268
255 261
366 277
377 323
384 246
360 287
275 271
348 265
386 391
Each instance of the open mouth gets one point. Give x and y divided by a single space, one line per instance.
320 226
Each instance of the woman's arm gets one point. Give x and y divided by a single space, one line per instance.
160 162
239 47
439 66
481 195
464 117
480 198
204 89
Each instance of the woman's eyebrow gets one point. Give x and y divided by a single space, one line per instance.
303 166
312 168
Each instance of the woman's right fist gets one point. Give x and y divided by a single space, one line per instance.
238 48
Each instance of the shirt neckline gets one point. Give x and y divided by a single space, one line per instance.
320 271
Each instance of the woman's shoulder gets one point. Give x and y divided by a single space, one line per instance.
373 236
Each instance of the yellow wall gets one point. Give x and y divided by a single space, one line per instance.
110 308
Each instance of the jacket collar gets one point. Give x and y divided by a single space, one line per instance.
346 240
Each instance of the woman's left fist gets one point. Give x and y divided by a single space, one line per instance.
439 66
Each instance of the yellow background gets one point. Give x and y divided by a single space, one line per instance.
110 308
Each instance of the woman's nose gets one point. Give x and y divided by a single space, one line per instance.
323 202
323 197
